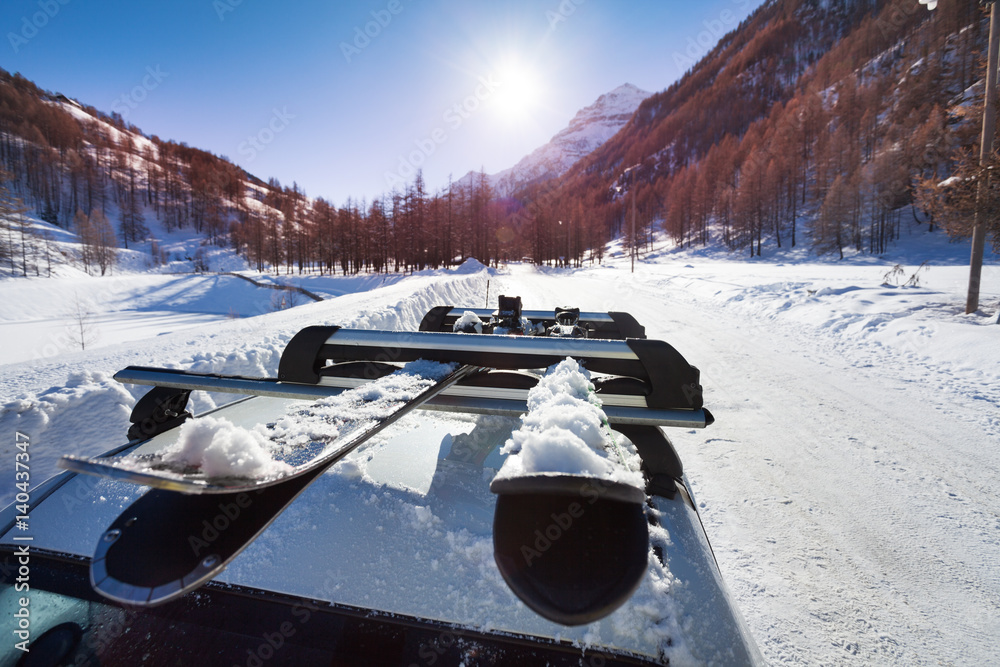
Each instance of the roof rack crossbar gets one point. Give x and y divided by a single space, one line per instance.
455 398
672 382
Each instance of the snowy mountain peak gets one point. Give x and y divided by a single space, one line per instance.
589 128
593 125
624 99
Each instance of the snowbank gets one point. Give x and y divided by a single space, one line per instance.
65 398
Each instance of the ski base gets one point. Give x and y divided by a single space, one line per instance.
167 544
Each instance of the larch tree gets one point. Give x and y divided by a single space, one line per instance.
828 234
11 212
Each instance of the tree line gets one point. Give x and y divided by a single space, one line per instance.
837 114
849 148
79 170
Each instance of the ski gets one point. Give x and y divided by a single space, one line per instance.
570 534
336 429
167 544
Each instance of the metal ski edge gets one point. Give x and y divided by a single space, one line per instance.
111 468
620 409
107 468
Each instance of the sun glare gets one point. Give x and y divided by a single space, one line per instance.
518 93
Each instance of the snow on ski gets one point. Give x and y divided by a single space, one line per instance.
566 433
167 544
214 456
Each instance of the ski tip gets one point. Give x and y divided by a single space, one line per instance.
72 463
139 559
136 595
575 557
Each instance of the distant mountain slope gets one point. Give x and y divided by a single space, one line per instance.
749 144
69 163
62 157
590 127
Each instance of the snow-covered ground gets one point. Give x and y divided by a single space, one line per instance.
849 482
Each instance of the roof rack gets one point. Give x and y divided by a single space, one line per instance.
649 370
617 326
642 384
496 400
639 381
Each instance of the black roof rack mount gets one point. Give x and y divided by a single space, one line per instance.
599 325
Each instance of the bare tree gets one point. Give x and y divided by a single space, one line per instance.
84 231
105 246
955 202
27 234
83 328
11 214
49 251
283 299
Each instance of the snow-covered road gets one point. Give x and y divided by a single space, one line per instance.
849 482
853 510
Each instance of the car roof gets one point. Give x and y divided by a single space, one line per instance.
404 526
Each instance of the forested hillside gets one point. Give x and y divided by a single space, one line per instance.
824 113
77 168
815 121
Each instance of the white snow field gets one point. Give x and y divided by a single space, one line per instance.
848 486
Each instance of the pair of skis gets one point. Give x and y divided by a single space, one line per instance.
184 531
190 526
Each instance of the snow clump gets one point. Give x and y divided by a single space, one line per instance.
563 432
220 448
468 321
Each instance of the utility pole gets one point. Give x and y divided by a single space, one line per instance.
985 152
634 249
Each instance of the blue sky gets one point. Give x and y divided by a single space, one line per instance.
345 98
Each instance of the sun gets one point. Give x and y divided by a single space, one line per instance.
518 92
